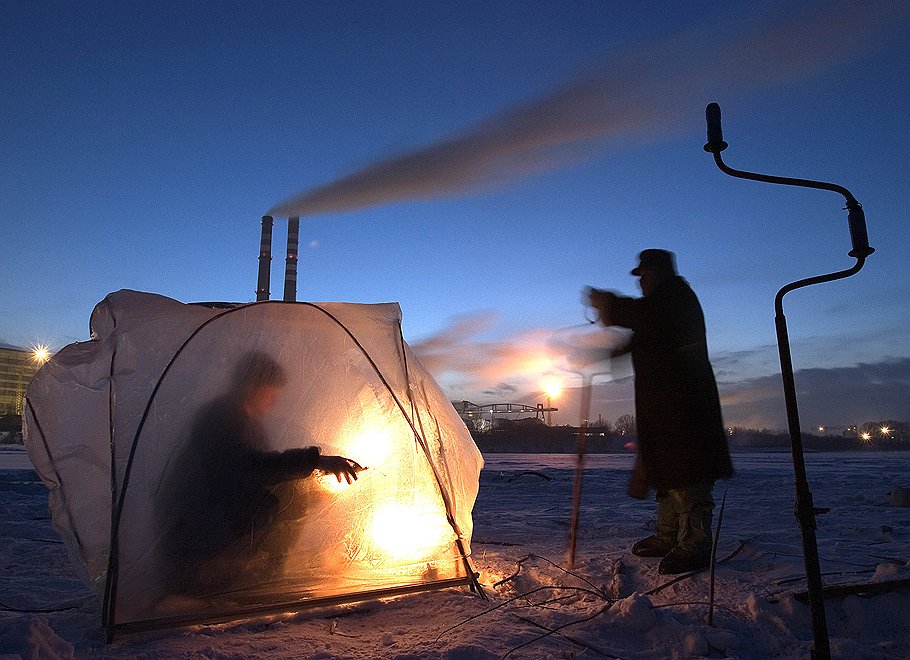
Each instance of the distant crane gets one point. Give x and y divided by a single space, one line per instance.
470 411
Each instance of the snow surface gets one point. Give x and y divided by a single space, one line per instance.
612 605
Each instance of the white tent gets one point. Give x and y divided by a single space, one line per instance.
113 428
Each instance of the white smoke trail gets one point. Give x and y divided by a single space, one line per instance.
645 91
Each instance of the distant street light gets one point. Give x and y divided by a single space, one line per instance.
40 354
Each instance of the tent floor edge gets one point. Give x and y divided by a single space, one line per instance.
120 630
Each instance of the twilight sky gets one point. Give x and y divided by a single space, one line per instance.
479 163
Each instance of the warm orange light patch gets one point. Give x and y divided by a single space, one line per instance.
408 532
552 387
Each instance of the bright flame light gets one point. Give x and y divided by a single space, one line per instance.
330 482
373 445
407 532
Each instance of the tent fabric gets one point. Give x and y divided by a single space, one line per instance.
112 424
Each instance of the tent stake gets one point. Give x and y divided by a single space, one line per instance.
805 508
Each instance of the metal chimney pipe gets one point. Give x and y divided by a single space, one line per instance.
290 269
265 258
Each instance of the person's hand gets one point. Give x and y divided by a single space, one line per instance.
341 467
600 300
586 296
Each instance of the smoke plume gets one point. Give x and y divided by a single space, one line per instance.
644 92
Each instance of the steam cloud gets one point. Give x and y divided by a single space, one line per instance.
467 365
645 92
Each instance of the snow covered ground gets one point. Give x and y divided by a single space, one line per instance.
612 605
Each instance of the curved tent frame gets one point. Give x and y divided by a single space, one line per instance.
118 496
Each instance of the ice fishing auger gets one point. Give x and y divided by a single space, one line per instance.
805 508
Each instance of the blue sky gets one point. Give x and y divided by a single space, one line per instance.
142 142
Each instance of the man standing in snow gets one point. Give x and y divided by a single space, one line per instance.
682 448
227 511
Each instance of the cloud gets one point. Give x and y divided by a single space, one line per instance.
837 396
502 390
623 97
466 364
735 365
467 367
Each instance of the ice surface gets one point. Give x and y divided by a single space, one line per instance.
520 513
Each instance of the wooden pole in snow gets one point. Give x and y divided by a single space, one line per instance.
579 466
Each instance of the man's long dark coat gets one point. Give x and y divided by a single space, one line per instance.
680 430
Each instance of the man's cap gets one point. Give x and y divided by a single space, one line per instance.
655 259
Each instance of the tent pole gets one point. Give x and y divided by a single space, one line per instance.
110 579
472 575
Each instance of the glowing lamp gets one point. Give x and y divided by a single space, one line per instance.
40 354
552 387
408 532
372 446
330 483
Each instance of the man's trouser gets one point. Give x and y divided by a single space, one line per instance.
684 516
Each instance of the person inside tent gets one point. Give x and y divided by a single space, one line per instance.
682 447
229 506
